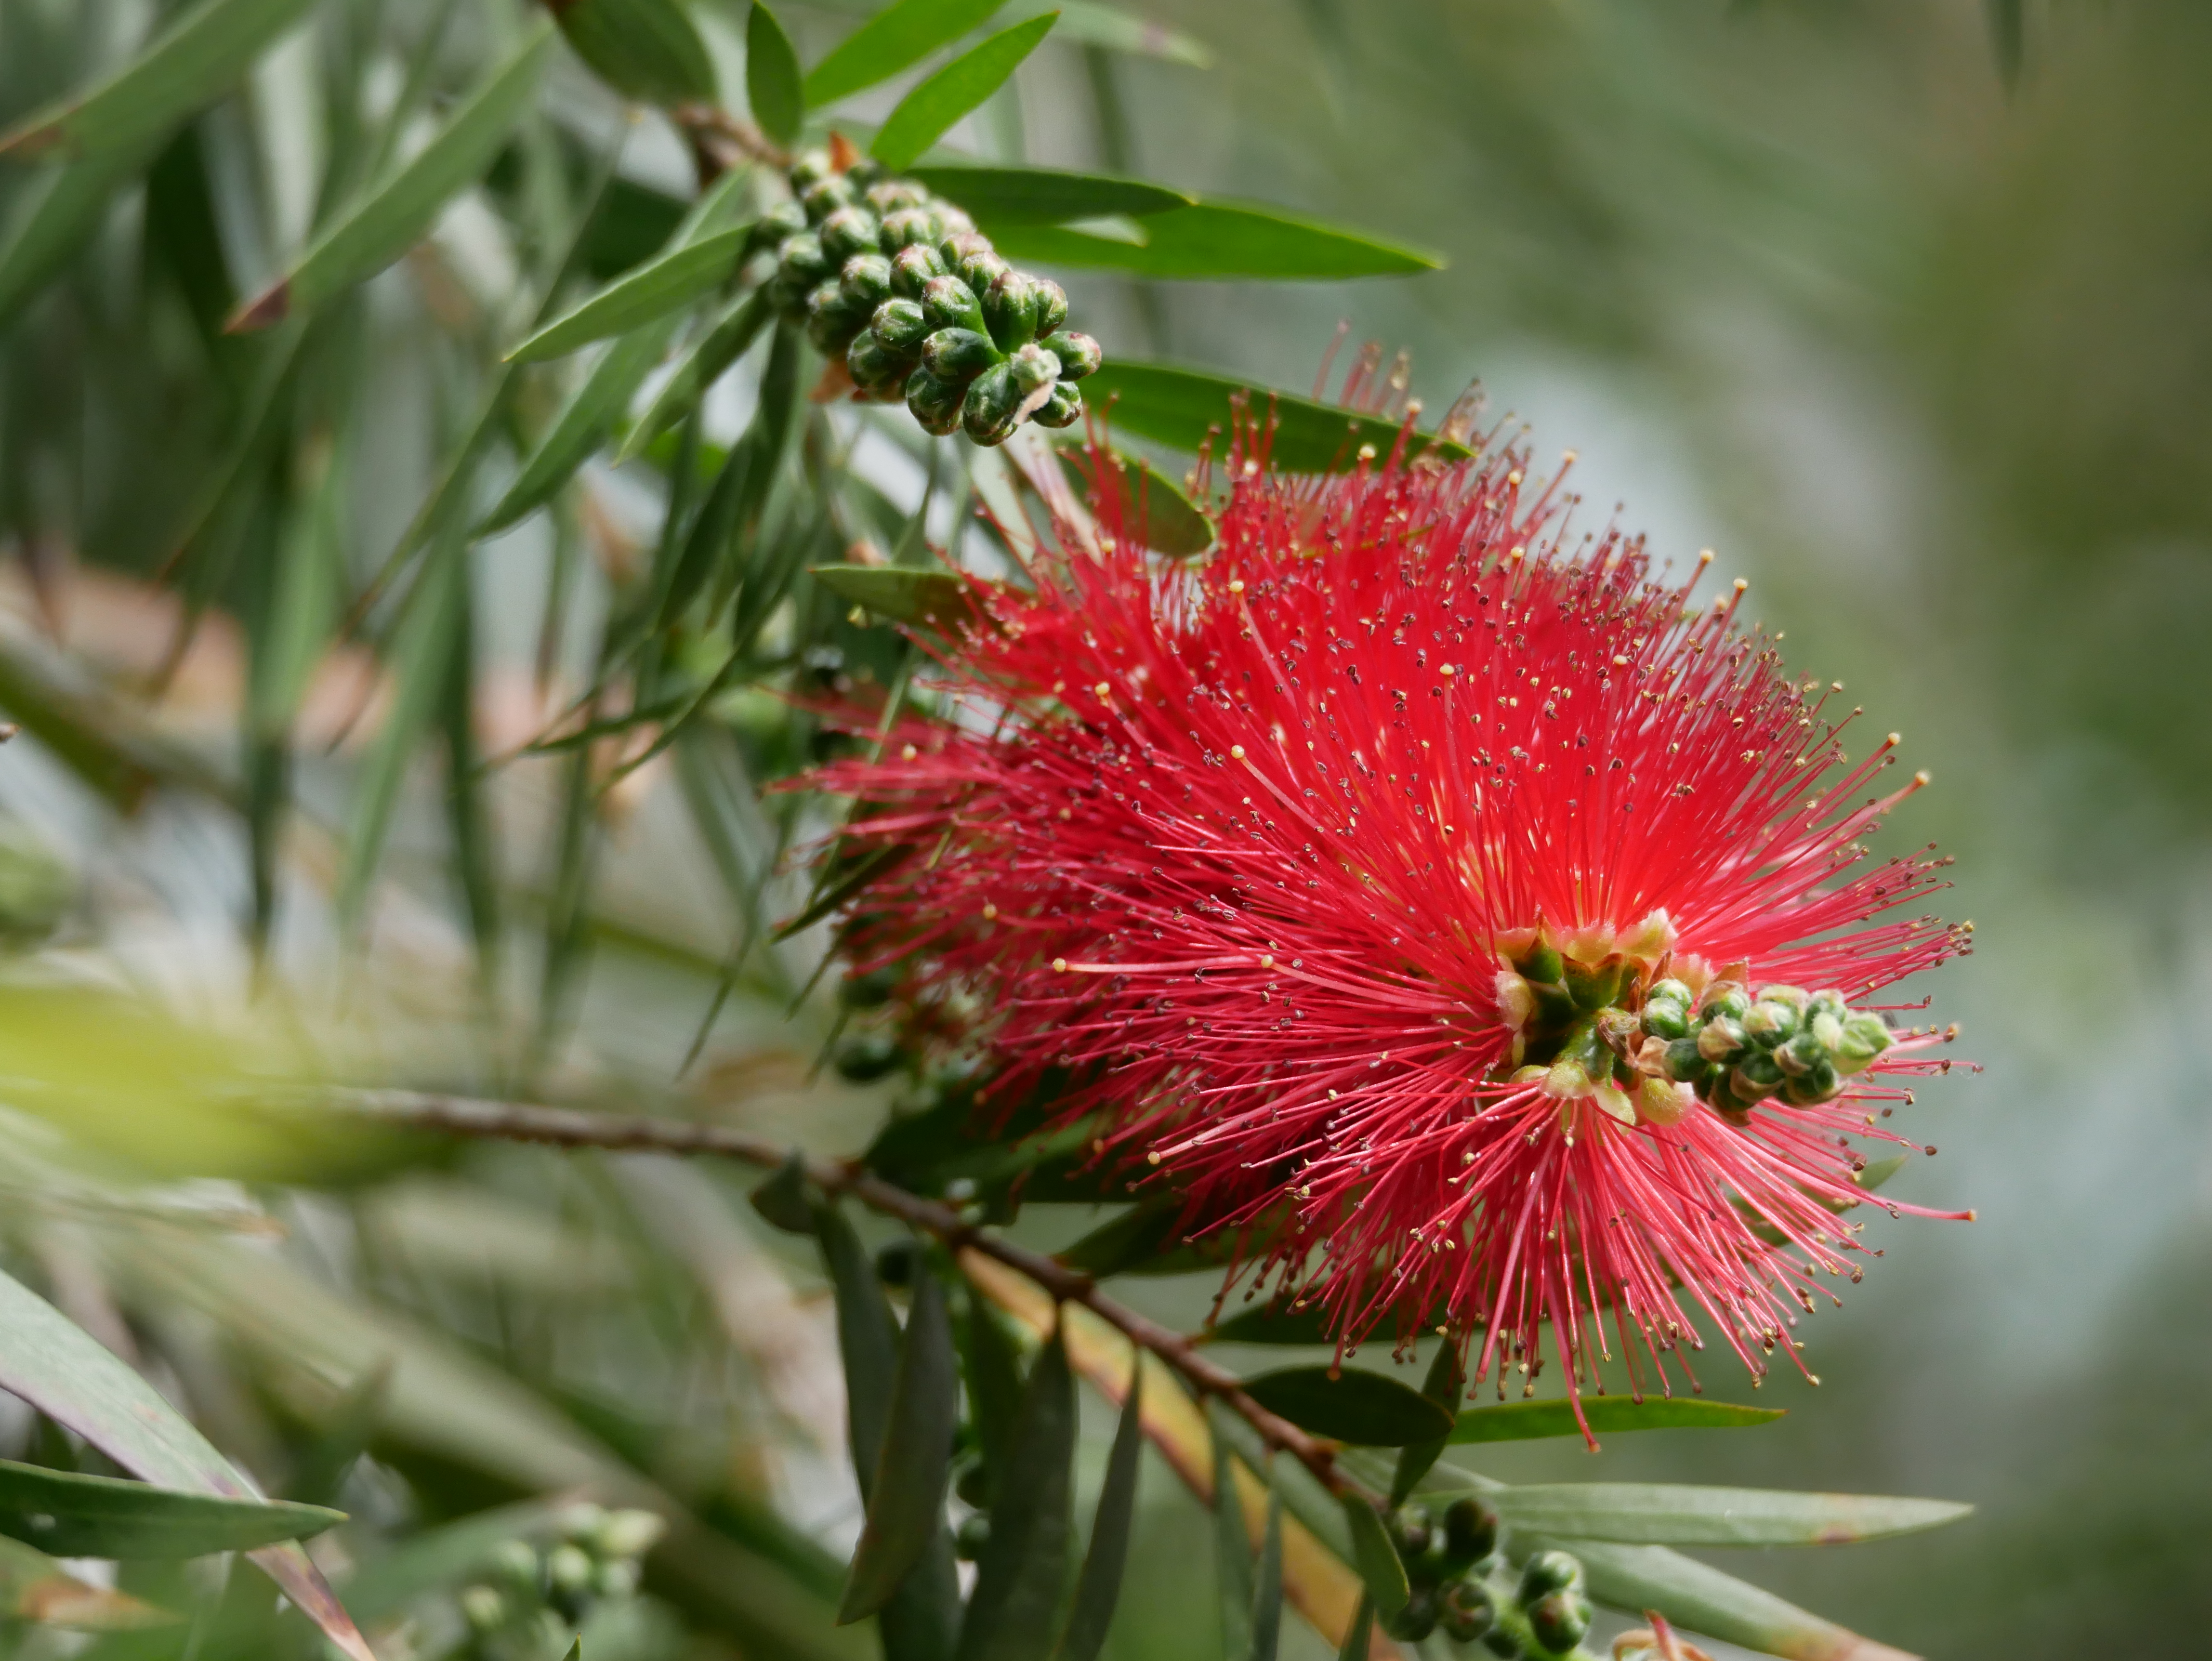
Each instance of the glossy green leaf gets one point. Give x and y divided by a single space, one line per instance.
1671 1514
774 87
1704 1599
906 1501
1142 501
867 1337
1518 1421
37 1590
1878 1171
661 286
1214 239
782 1200
942 601
73 1516
1373 1554
1044 196
66 1374
644 48
1232 1547
931 110
1020 1576
1182 407
1099 1587
995 1384
1445 1385
1268 1585
895 39
52 217
194 60
394 213
585 419
1356 1406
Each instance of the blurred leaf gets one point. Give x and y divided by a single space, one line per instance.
831 898
392 215
896 38
1516 1421
868 1338
1356 1406
1099 1586
1018 1580
1214 239
197 57
80 732
932 109
734 328
1141 1233
1088 23
1270 1324
2008 38
54 216
61 1370
782 1198
1375 1556
644 48
1668 1514
906 1501
1357 1635
1445 1384
661 286
1268 1585
341 1437
1044 196
34 1588
919 599
1182 407
773 90
1232 1555
75 1516
586 418
1141 501
994 1385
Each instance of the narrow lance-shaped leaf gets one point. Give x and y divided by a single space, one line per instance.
1268 1585
1356 1635
1145 503
1232 1554
194 60
1376 1558
868 1338
1520 1421
1355 1406
1183 407
1044 196
590 411
1088 23
393 214
994 1385
930 111
773 87
942 601
1018 1580
1445 1385
65 1373
662 285
1100 1586
54 216
36 1589
896 38
1668 1514
1215 240
733 329
906 1501
644 48
76 1516
781 1199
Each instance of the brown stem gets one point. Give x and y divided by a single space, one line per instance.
518 1122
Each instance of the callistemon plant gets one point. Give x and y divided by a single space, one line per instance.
1480 927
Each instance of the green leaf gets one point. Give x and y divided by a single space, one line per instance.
1694 1595
773 87
1138 1234
994 1385
781 1199
1232 1551
1445 1385
1142 502
929 112
194 60
942 601
1518 1421
644 48
54 216
1376 1558
1272 1324
868 1338
392 215
906 1501
1668 1514
2008 39
73 1516
1018 1580
1181 407
34 1588
1268 1585
1215 240
64 1372
734 329
1357 1635
1087 23
1100 1586
1356 1406
1044 196
590 412
875 865
896 38
654 290
1878 1171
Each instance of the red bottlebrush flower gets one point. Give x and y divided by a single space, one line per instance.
1478 928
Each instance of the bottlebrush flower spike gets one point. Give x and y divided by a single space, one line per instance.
1476 926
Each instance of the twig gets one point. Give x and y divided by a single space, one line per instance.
463 1115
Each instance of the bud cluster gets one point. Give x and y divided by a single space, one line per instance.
920 305
1737 1048
1462 1587
532 1600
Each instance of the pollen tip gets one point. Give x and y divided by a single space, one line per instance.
1896 738
1921 777
1705 557
1153 1158
1742 583
909 753
1235 586
1060 966
1236 750
990 913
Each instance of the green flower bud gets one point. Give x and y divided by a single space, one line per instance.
934 403
1560 1622
1671 991
1818 1084
950 303
616 1580
1470 1533
895 195
867 1057
581 1521
1418 1619
568 1568
515 1562
810 167
1052 306
877 371
992 406
1500 1641
1035 369
1541 963
974 261
830 323
1594 988
1686 1063
484 1609
1079 354
1010 309
850 231
1801 1055
1769 1023
800 262
1410 1528
1827 1029
630 1533
912 270
1756 1077
866 282
1548 1571
958 353
1665 1018
827 196
1063 409
1864 1038
972 1536
1725 998
769 231
1721 1039
899 325
1467 1611
910 227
